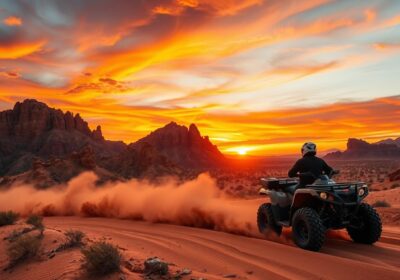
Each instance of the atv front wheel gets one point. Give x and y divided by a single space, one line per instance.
371 226
308 230
266 220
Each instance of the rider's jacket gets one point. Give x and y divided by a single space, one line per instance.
310 163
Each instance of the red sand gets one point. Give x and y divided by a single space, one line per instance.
213 254
210 254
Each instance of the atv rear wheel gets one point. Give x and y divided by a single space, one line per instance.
371 228
266 220
308 230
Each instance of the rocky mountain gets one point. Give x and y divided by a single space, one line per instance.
32 129
142 162
183 146
395 141
47 145
360 149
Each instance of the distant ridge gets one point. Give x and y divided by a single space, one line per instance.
360 149
391 141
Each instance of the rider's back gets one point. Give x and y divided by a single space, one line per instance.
310 163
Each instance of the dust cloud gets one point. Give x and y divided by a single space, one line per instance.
196 203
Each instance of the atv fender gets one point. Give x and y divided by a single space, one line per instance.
304 198
280 205
280 199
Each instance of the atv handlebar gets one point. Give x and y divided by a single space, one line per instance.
334 172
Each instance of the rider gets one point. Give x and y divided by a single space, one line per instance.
309 163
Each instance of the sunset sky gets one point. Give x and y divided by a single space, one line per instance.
256 76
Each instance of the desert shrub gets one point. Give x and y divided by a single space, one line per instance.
381 203
24 247
8 218
49 210
74 238
17 233
36 221
90 209
395 185
102 258
13 235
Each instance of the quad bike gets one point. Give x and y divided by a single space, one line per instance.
315 208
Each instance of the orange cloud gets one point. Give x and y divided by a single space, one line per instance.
103 85
188 3
220 8
370 15
168 10
303 70
12 21
230 7
9 74
386 46
19 50
391 22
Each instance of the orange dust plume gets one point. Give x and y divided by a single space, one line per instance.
197 203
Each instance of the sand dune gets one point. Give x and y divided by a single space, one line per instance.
213 254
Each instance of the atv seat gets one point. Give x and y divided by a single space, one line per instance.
287 185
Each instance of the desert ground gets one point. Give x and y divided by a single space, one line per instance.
219 252
202 228
212 254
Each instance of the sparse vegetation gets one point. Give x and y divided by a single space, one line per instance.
102 258
23 248
8 218
381 203
36 221
74 238
17 233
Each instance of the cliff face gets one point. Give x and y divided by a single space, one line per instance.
31 119
32 129
359 149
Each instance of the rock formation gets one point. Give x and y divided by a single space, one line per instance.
46 146
359 149
183 146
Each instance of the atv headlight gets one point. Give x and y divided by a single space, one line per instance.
323 195
361 192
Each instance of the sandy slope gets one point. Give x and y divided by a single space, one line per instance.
213 254
391 196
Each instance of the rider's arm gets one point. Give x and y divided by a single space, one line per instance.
327 169
295 169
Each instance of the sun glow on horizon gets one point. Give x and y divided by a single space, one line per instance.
242 151
257 77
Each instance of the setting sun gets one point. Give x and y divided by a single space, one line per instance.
239 150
